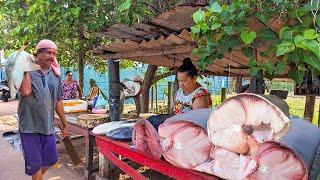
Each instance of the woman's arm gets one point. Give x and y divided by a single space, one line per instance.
201 102
25 88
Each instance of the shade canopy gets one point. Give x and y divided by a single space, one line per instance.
166 41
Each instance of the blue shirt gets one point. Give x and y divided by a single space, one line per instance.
36 111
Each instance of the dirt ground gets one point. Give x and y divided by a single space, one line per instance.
115 173
8 123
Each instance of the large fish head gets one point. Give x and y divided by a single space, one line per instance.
9 63
24 62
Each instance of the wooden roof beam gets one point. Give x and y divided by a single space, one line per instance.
150 52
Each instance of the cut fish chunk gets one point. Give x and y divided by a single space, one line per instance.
241 122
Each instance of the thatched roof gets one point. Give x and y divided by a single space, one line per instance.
166 41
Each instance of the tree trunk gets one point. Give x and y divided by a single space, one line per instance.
81 60
147 82
81 54
137 103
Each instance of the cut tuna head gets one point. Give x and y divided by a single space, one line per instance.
243 121
185 144
227 165
146 139
277 162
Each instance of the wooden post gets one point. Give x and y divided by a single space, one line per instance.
239 84
90 142
175 89
256 83
114 89
138 103
169 97
309 107
223 94
152 95
156 98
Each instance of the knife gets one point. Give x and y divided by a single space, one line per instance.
70 149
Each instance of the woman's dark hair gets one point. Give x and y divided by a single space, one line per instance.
188 67
67 72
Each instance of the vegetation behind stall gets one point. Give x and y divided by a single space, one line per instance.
289 42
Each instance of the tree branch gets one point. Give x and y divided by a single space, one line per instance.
164 75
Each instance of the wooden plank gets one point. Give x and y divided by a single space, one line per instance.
156 97
177 18
309 107
226 62
155 44
237 57
155 60
256 83
152 96
215 68
223 94
130 30
122 35
89 157
186 35
163 42
243 72
145 27
169 97
152 29
151 52
128 45
239 84
176 39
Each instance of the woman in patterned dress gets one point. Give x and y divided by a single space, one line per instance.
190 95
70 88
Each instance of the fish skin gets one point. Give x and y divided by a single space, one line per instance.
121 133
146 139
16 65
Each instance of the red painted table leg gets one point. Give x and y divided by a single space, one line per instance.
123 149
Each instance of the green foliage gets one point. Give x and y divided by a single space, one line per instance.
73 25
296 45
247 37
131 11
296 107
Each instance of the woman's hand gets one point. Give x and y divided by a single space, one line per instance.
201 102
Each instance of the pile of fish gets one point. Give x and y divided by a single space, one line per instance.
248 136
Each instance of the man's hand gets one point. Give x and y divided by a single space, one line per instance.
64 131
64 124
25 87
